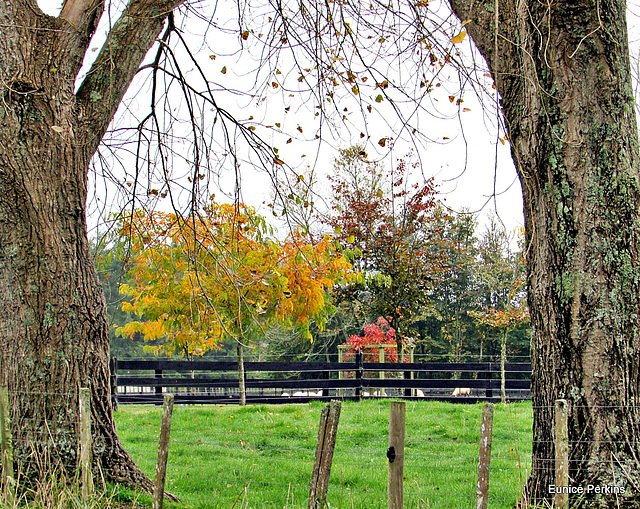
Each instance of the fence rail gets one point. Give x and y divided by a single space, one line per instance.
199 381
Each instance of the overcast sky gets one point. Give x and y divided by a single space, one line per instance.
465 150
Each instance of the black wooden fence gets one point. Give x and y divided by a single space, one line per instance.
145 381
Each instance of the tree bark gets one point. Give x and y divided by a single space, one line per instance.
53 325
562 71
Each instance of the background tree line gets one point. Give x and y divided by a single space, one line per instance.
451 289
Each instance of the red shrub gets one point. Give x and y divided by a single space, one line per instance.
378 333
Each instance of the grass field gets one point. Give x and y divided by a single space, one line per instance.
261 456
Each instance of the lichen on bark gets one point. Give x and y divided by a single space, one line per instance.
53 326
566 89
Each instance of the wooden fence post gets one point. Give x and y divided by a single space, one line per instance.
359 374
395 454
484 456
561 500
340 372
6 442
326 375
163 451
488 377
158 387
324 455
382 358
86 475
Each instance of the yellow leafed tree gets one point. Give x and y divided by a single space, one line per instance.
220 275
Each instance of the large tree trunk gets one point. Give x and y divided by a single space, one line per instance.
562 70
53 326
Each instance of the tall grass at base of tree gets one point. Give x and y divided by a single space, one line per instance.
56 491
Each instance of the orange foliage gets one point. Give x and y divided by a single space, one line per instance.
219 274
502 319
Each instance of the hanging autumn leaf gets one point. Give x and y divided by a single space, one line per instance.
382 142
460 37
224 70
245 35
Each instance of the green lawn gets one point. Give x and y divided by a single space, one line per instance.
262 456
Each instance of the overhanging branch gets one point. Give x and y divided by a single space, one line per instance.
128 42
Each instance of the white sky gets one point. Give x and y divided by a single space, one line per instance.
470 163
464 154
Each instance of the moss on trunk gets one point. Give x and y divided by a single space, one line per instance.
567 101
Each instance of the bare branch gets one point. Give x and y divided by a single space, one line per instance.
128 42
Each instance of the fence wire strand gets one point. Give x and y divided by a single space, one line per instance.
237 453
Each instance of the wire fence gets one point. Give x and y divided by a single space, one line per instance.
440 469
262 456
